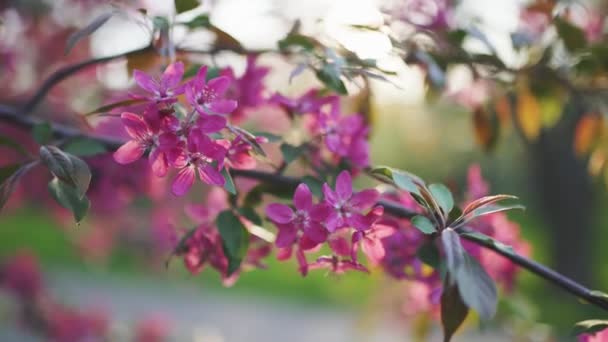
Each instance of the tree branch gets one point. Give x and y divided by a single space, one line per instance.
9 114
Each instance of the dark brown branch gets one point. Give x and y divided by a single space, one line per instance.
9 114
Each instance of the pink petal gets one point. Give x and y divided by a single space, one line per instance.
286 236
134 124
201 76
211 176
129 152
373 249
302 199
329 195
211 123
340 246
284 253
279 213
320 212
302 262
219 84
357 221
145 81
223 106
334 221
172 75
183 182
316 233
344 185
364 199
159 163
334 144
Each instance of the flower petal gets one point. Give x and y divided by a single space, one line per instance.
344 185
302 199
211 123
135 125
364 199
129 152
223 106
159 163
286 236
183 182
219 84
330 196
145 81
334 221
172 75
210 175
320 212
279 213
316 232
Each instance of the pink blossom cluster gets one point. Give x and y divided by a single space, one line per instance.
199 142
333 134
342 220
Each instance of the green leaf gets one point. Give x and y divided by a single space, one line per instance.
453 311
87 30
423 224
402 179
9 177
302 41
42 132
480 202
8 142
443 196
160 23
182 6
487 210
69 168
200 21
291 153
69 198
84 147
428 253
329 74
315 185
235 239
454 252
572 36
590 326
229 183
476 287
108 107
249 139
250 214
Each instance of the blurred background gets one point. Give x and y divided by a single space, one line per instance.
565 221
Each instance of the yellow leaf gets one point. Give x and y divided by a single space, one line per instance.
143 60
528 114
587 131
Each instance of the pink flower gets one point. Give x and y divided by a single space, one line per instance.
307 218
165 89
239 152
309 102
348 206
204 246
600 336
207 97
248 89
21 275
146 134
201 154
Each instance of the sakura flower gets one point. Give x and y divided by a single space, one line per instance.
201 154
165 89
348 205
307 218
207 97
309 102
247 89
239 152
145 134
202 247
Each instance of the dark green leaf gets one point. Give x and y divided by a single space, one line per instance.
453 311
250 214
428 253
423 224
590 326
291 153
443 197
68 197
69 168
329 74
302 41
402 179
235 239
572 36
84 147
200 21
229 183
185 5
87 30
42 132
315 185
8 142
9 177
476 287
454 252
